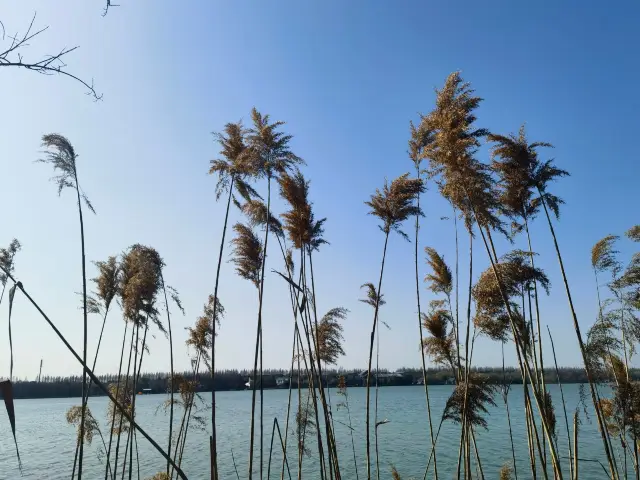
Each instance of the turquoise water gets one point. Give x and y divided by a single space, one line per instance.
47 446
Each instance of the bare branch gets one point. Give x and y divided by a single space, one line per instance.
106 8
49 65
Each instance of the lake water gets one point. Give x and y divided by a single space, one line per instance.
47 445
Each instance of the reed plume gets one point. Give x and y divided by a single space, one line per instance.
394 473
123 393
418 140
7 263
440 280
506 472
299 222
306 234
601 343
537 177
107 283
159 476
440 344
232 172
7 267
304 424
516 275
328 335
634 233
479 393
140 282
91 428
200 336
62 157
269 155
517 165
470 187
629 281
248 253
603 255
372 297
231 168
256 212
392 205
396 203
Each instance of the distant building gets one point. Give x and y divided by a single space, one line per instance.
282 381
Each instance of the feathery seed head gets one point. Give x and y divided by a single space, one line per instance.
140 282
108 280
441 278
7 259
329 335
396 203
248 253
603 255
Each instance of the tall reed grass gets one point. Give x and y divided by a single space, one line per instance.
497 197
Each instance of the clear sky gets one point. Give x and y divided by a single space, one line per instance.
347 77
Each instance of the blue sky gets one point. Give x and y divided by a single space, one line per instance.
347 77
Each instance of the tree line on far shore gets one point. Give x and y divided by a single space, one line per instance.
227 380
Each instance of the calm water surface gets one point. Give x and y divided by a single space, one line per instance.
47 446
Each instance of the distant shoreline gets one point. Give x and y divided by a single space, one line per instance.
71 387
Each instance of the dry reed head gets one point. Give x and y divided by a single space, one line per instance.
519 169
441 278
91 426
493 323
506 472
602 342
248 253
480 393
607 407
628 284
7 258
269 150
140 282
257 214
396 203
232 151
291 267
342 385
62 157
159 476
299 221
464 181
185 387
516 275
440 344
622 410
603 255
372 297
124 396
200 335
420 137
107 281
394 473
305 425
550 414
329 335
